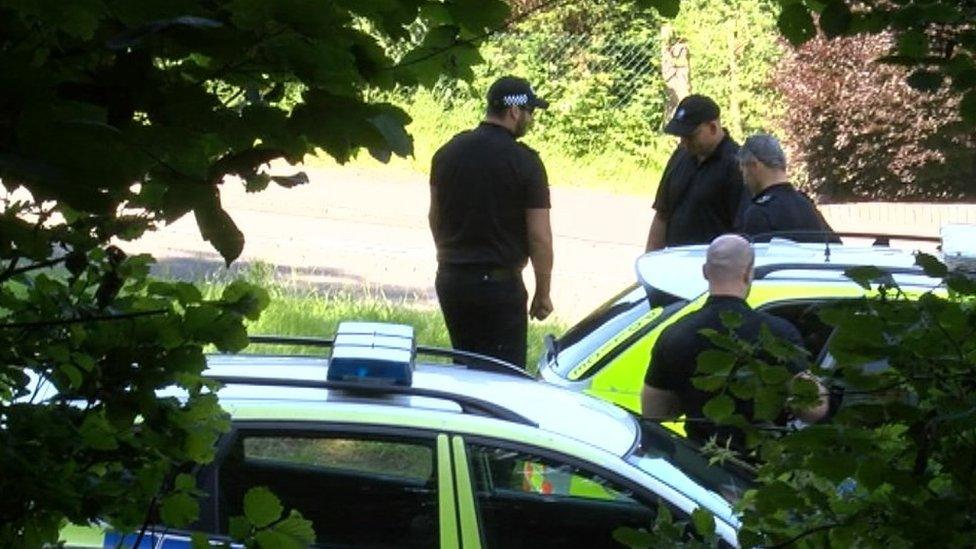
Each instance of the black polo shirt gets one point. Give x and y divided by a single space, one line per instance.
482 181
701 200
674 358
781 209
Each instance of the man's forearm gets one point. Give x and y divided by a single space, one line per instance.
541 256
656 235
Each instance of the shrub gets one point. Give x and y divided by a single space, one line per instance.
861 132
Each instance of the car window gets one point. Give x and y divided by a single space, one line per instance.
357 490
526 500
804 315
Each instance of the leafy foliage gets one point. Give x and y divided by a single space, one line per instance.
121 115
895 465
599 64
860 131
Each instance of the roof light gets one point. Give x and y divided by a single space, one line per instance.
373 352
959 247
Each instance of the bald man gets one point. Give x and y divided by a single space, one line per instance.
668 391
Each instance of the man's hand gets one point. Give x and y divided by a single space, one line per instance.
541 307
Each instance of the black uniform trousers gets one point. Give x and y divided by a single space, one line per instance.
485 310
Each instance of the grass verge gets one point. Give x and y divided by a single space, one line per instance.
310 312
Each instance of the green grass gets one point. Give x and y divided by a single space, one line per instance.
296 311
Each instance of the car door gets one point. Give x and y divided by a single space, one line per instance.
513 496
359 485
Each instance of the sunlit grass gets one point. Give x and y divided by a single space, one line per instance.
304 311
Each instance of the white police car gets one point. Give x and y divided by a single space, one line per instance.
378 449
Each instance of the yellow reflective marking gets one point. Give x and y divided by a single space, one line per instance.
612 343
470 536
445 489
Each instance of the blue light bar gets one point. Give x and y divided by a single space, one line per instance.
373 352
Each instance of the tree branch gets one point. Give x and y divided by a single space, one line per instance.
13 271
66 321
802 535
478 38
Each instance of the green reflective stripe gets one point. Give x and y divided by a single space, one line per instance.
583 367
622 379
74 535
445 497
470 534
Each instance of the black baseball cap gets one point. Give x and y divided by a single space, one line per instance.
692 111
511 90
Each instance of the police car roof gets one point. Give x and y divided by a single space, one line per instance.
552 408
678 271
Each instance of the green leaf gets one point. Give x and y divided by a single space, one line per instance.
667 8
925 80
914 44
185 482
864 275
835 19
199 540
179 509
931 265
217 227
769 403
704 522
261 507
719 408
75 378
97 433
713 361
967 107
246 299
297 528
391 127
633 538
239 528
183 292
796 23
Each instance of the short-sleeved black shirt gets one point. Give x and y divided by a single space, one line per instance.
483 181
781 208
674 358
701 200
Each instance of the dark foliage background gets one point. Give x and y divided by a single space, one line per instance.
860 132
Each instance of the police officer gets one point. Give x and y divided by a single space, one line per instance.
777 209
489 214
668 390
701 193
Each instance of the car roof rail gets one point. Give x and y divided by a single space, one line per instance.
830 237
468 404
471 361
763 271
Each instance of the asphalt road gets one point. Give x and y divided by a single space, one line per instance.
365 230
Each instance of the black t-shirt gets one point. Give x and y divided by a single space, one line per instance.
674 358
482 181
701 200
780 208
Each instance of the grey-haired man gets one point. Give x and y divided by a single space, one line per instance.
777 209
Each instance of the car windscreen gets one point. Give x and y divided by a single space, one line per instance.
680 462
611 319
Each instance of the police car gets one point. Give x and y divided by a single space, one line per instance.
607 353
379 448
